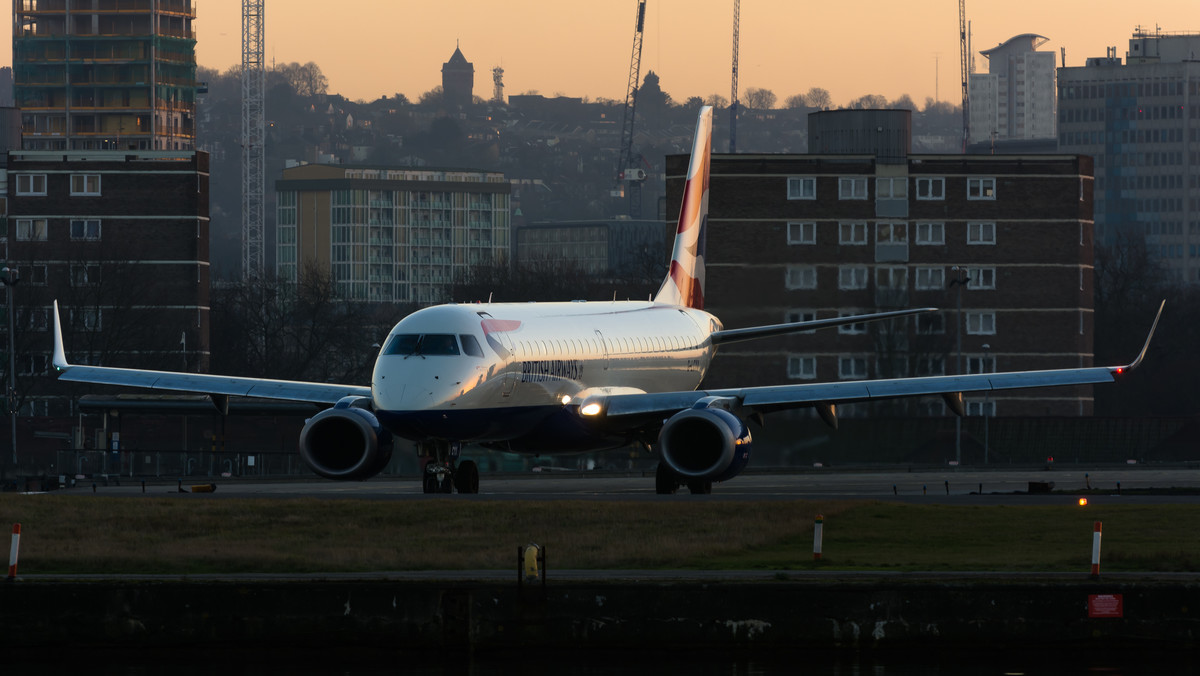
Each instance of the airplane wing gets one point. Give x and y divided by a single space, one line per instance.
753 332
627 411
218 387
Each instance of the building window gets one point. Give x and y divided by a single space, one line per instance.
981 363
802 368
891 188
852 277
855 329
85 229
802 188
31 184
931 366
85 275
85 184
982 279
39 319
981 188
931 323
801 277
31 229
853 188
852 233
33 275
931 188
31 364
981 233
793 316
981 408
929 234
852 368
891 277
981 323
930 278
802 233
89 318
891 233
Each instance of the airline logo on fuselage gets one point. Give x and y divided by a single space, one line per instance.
542 371
491 326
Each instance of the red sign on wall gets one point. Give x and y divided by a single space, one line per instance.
1105 605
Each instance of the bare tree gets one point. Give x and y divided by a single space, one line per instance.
306 80
795 102
757 98
818 98
717 101
869 101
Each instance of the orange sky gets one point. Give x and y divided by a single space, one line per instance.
368 48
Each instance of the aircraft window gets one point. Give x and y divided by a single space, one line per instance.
470 345
402 343
422 344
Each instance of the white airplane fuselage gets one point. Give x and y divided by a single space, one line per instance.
517 372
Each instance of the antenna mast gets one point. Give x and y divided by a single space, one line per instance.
733 96
966 101
253 137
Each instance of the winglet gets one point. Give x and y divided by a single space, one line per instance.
60 354
1142 355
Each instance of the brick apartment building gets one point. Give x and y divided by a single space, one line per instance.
120 239
812 236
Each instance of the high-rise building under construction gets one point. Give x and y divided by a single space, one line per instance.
105 74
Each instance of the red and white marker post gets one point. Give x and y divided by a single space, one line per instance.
12 551
818 535
1096 550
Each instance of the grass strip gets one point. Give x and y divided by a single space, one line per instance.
193 535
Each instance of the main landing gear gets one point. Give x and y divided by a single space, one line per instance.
666 482
443 473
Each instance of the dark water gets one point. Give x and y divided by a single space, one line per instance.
625 663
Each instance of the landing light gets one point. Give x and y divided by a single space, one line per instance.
1083 502
590 409
566 399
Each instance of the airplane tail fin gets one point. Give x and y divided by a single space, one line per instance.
684 284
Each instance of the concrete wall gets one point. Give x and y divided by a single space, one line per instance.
859 613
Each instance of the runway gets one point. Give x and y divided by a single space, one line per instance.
934 486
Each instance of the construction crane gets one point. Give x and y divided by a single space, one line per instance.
253 138
629 170
962 48
733 96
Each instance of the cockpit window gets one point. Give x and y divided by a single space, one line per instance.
470 345
427 344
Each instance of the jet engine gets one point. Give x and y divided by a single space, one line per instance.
346 442
705 444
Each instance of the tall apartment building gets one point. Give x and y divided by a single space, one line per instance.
105 74
391 234
794 237
120 240
1015 98
1140 120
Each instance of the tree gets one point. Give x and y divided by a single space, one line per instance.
869 102
273 328
795 102
818 98
717 101
757 98
432 97
905 102
306 80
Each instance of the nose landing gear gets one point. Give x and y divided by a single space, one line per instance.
443 473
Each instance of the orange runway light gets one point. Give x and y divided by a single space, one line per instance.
1083 502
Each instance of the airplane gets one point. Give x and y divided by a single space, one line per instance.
567 377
